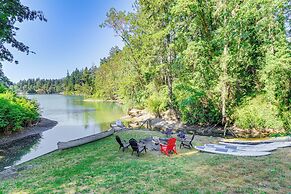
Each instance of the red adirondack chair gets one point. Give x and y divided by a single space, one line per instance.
170 146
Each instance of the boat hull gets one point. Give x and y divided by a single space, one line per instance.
233 152
84 140
254 142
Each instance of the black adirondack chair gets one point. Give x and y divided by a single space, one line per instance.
138 148
168 132
122 144
181 135
187 143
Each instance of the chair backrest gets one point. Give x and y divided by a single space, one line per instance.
181 134
169 132
119 123
119 140
133 144
171 143
192 137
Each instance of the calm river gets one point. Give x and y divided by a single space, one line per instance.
76 118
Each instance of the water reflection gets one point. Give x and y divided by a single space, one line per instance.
16 150
76 118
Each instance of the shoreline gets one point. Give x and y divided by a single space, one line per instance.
167 120
100 100
44 125
138 118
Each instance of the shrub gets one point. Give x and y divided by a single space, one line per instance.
195 106
16 112
257 113
157 103
286 118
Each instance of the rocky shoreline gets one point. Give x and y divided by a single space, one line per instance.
137 118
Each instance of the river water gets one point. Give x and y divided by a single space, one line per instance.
76 118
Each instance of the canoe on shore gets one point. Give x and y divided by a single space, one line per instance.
261 145
233 152
84 140
264 147
252 148
258 141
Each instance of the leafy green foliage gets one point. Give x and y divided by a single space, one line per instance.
258 113
157 103
3 89
16 112
3 79
210 56
12 11
276 78
195 106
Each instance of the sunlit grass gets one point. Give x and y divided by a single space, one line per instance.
100 168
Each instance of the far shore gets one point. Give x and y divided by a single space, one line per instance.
100 100
43 125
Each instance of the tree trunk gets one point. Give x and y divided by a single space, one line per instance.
224 84
224 79
169 75
170 88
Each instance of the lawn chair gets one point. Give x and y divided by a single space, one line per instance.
168 132
187 143
181 135
123 144
118 126
138 148
169 147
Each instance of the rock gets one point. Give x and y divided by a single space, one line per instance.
206 131
170 115
134 112
7 167
8 173
255 133
136 118
27 167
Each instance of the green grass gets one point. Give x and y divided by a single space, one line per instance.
100 168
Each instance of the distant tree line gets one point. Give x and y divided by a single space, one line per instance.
79 82
40 86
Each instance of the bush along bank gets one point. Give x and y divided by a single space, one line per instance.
16 112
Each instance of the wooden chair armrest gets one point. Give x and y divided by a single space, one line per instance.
161 144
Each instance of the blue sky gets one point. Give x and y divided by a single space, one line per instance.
70 39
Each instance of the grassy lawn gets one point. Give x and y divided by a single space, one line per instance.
99 167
